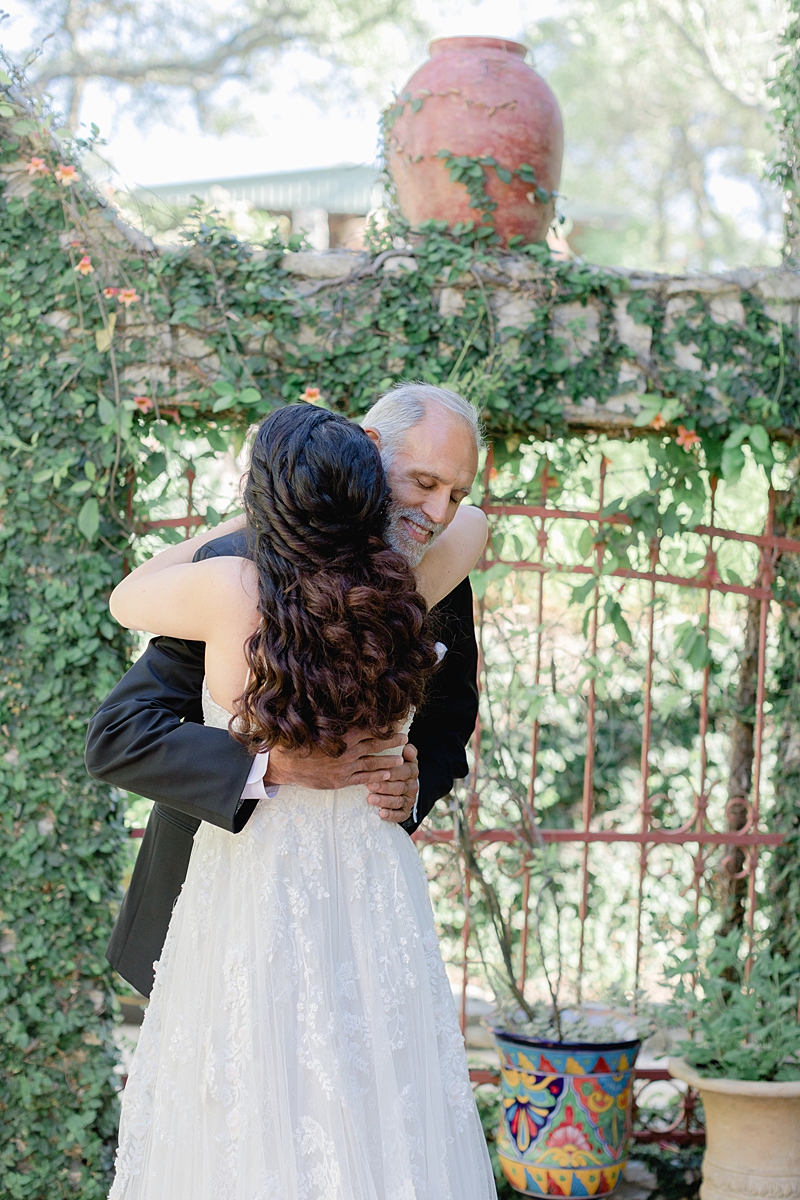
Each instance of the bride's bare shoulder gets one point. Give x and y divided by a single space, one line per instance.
238 577
453 555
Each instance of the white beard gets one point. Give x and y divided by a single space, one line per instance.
398 538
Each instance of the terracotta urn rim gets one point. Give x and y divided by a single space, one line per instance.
522 1039
447 45
789 1088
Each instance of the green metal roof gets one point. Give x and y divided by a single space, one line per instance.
343 189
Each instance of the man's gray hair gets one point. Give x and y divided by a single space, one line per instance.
406 405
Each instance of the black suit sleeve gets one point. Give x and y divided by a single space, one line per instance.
147 736
445 723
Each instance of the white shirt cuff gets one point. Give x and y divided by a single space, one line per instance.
254 789
414 816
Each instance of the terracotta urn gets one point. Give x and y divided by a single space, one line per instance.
477 98
753 1136
566 1114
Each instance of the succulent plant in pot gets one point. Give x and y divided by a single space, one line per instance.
742 1053
566 1069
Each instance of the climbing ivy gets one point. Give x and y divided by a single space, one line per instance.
471 171
118 360
61 549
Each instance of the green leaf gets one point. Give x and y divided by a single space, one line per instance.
481 580
696 651
250 395
583 590
503 174
416 105
156 464
613 612
670 522
738 435
222 402
758 439
585 541
732 463
106 411
81 487
557 366
89 518
6 110
653 406
223 388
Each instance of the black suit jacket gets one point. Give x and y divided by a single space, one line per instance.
148 737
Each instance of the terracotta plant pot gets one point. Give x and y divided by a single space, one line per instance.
566 1118
476 97
752 1136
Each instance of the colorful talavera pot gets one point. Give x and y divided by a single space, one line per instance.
566 1114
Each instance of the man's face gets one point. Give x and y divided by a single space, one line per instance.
431 473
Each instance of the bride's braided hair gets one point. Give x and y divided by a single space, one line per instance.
343 641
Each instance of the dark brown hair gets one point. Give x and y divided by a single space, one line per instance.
343 641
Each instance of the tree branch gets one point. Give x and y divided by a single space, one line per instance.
709 60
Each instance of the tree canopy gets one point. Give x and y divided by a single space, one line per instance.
157 52
667 109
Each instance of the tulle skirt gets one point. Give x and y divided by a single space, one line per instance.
301 1042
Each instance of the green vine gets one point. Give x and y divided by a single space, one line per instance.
61 835
471 171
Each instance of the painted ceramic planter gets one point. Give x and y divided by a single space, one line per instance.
753 1136
566 1114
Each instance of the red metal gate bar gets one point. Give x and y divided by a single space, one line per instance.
768 558
656 837
587 807
644 765
698 581
172 523
493 509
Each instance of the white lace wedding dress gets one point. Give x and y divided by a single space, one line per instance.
301 1042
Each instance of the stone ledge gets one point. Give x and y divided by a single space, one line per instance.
323 264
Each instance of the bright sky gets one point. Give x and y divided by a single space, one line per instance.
294 133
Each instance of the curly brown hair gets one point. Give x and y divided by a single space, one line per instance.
344 641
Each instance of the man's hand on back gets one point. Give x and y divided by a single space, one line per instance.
396 796
392 779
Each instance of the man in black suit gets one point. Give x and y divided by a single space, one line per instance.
148 736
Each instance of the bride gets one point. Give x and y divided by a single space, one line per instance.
301 1042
